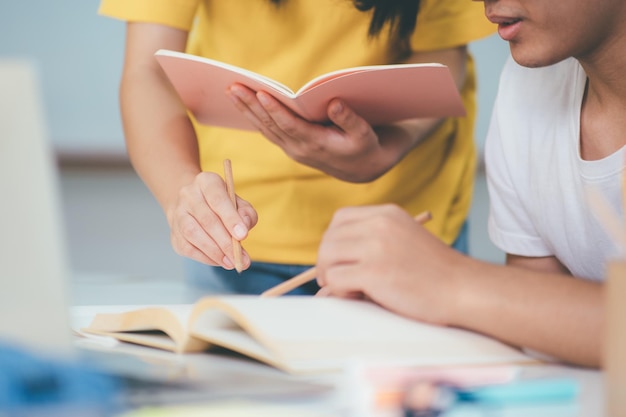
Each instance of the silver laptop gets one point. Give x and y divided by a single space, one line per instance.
33 264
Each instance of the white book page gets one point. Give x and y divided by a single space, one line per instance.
296 329
82 316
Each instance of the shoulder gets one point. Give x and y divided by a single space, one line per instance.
179 14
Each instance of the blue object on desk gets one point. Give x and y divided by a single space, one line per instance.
427 399
528 391
31 382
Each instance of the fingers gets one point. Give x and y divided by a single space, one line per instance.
264 112
341 281
357 246
282 121
348 148
341 250
205 220
297 137
247 213
326 292
215 211
191 241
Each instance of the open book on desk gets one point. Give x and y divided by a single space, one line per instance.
380 93
301 334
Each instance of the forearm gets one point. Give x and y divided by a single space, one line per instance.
552 313
160 139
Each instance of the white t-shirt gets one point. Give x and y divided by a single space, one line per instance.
537 180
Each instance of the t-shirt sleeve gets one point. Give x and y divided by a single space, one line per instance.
449 23
510 224
178 14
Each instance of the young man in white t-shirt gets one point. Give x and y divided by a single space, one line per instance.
557 130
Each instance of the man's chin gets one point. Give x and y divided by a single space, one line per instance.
533 59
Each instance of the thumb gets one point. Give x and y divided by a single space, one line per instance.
345 118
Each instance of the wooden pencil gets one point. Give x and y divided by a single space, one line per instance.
230 186
311 273
292 283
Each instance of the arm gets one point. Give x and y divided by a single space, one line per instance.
541 264
350 149
382 253
162 146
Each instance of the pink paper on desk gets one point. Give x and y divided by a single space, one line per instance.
462 377
380 388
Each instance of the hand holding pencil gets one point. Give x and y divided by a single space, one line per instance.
382 254
311 274
203 219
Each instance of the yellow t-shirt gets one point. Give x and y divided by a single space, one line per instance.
293 43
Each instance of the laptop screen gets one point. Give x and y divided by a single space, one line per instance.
34 272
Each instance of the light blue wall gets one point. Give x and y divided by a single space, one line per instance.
490 55
79 55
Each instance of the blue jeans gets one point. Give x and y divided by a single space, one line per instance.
262 276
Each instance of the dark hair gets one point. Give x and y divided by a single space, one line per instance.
401 15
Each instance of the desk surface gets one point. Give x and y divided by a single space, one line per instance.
219 377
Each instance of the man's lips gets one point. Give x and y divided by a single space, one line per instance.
508 27
502 20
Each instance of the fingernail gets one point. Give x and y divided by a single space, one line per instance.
247 220
263 99
337 107
239 231
227 264
235 90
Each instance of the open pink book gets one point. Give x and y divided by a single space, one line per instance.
380 93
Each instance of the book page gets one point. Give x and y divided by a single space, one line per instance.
327 331
133 325
141 317
151 339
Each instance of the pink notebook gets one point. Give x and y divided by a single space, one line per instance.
380 94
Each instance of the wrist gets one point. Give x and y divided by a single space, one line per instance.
464 293
170 193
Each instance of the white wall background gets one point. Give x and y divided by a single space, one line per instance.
79 57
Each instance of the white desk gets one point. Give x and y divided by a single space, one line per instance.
223 377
